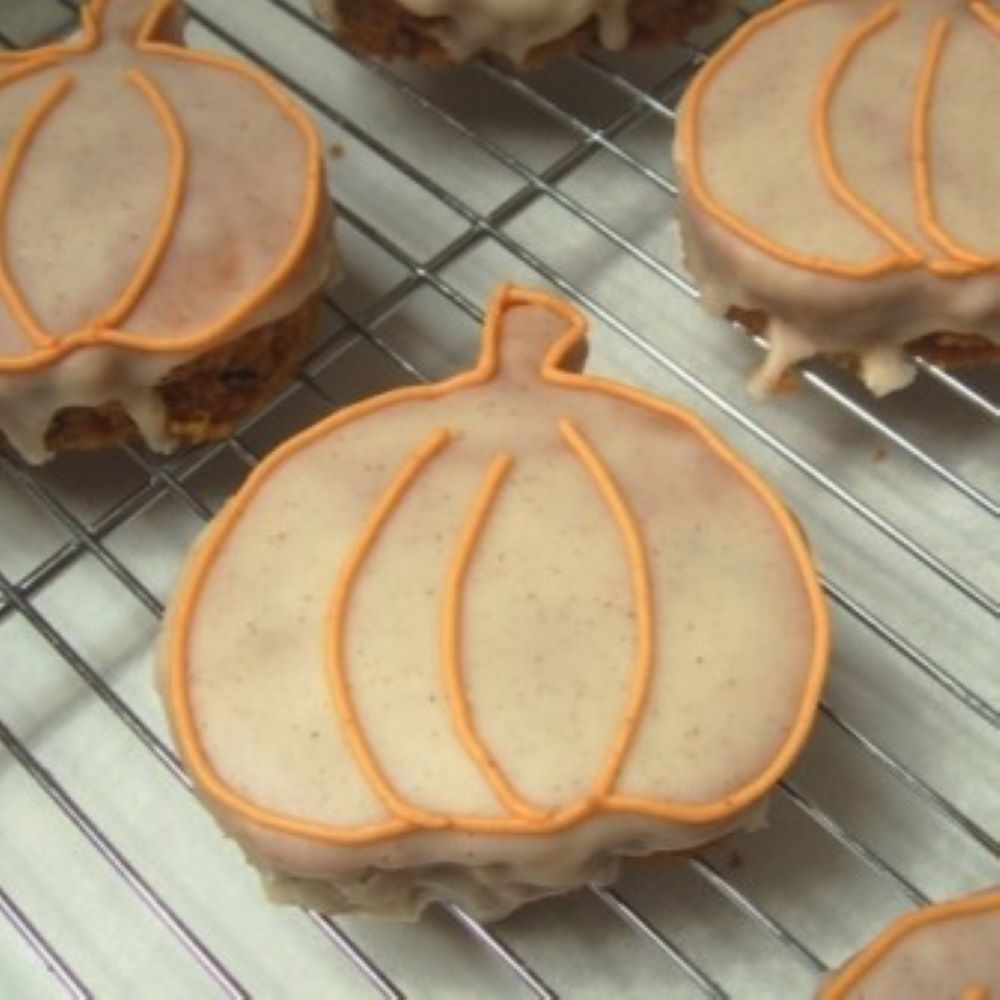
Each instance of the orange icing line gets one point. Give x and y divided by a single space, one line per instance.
22 67
311 211
986 14
823 139
642 670
696 813
340 688
172 207
12 163
967 260
866 960
451 637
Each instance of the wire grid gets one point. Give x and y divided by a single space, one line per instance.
737 893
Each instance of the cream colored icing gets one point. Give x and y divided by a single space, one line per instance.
491 891
837 163
88 196
511 27
951 952
622 686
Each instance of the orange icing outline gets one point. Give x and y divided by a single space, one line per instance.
451 630
104 328
821 129
19 144
964 261
336 671
174 200
908 256
986 14
642 584
601 800
878 950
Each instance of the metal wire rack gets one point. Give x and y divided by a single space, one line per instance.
111 877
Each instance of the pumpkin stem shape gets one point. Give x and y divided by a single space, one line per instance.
127 22
530 339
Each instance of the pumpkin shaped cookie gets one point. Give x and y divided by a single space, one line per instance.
526 33
164 235
945 952
518 624
839 164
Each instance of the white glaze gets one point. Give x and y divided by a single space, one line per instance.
813 314
760 162
384 885
511 27
86 203
549 640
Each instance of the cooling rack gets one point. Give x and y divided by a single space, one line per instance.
113 882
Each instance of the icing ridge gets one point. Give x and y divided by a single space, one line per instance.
461 710
8 175
641 584
906 253
337 674
963 261
171 209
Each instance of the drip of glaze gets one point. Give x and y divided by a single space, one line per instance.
515 27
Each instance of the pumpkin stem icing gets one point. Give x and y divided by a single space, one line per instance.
529 341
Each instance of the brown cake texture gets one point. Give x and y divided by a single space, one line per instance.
948 350
204 398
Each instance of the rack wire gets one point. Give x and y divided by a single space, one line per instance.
447 185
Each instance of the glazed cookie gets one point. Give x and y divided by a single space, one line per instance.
521 623
166 236
525 33
946 952
838 164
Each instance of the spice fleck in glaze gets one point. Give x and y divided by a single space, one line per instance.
519 623
154 203
839 167
945 952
